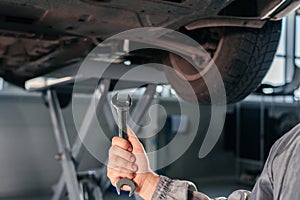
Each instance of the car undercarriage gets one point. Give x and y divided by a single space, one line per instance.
38 37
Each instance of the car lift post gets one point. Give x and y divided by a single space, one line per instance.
98 99
60 132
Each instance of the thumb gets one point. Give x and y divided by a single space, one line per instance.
133 139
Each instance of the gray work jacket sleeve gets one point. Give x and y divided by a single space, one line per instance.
280 178
184 190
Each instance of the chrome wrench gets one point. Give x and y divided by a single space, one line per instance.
122 108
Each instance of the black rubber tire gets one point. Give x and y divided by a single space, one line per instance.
244 57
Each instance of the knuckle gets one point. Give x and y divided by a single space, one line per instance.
126 157
112 150
129 156
109 164
120 142
123 144
115 140
129 165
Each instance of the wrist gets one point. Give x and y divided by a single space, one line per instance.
147 188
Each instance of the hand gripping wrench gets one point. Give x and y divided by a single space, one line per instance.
122 108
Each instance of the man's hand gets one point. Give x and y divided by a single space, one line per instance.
128 159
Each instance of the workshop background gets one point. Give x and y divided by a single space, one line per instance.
28 169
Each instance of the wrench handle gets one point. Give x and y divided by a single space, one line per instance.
122 123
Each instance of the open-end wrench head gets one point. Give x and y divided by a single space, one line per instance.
125 181
121 104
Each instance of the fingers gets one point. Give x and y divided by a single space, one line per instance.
117 151
122 143
117 162
116 174
130 144
121 163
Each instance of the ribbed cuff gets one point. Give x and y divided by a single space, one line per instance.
162 189
172 189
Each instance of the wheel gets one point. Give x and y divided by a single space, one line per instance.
242 55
